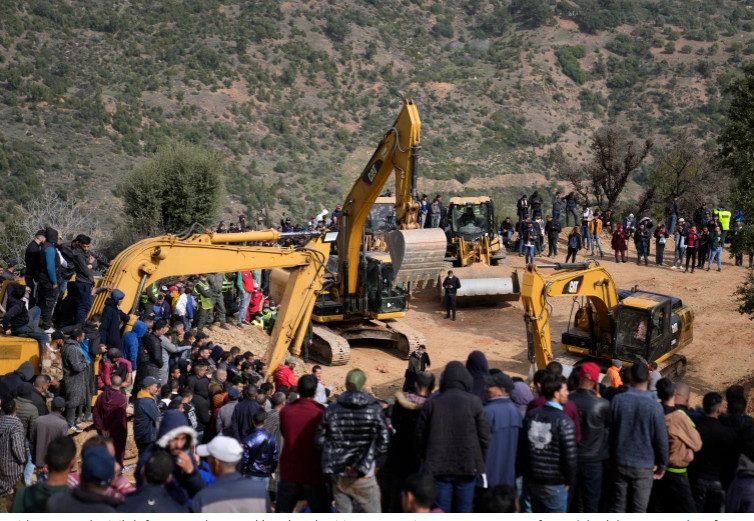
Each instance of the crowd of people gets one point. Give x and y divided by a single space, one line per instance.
698 241
213 432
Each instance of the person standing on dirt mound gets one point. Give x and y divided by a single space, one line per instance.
451 285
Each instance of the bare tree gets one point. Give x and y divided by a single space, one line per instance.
683 169
614 159
67 216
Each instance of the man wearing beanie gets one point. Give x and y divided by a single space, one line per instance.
351 435
97 471
112 316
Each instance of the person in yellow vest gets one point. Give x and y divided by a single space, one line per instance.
258 321
228 296
148 299
204 296
724 216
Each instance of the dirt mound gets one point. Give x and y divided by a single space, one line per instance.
247 338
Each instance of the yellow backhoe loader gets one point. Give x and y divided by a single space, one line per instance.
476 250
157 258
634 326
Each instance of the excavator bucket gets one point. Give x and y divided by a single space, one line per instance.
418 256
486 285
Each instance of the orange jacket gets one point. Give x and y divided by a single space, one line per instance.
614 374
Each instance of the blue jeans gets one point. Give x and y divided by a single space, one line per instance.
680 253
33 332
556 215
529 254
584 494
263 479
29 468
586 235
245 299
455 493
596 240
84 300
671 224
716 253
547 498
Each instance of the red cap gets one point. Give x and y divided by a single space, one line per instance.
590 371
173 288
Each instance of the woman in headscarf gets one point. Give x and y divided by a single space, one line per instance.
521 396
476 364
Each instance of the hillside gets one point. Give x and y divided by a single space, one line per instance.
297 93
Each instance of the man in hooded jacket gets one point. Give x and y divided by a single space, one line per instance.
112 316
109 414
177 438
452 435
16 319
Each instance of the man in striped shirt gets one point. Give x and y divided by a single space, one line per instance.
12 455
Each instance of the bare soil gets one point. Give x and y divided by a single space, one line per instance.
719 356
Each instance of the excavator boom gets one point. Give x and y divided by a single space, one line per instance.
157 258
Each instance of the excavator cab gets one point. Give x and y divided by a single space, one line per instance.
384 296
648 327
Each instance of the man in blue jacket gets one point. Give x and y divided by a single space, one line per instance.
505 424
49 278
146 414
639 441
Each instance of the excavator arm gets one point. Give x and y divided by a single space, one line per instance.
156 258
397 152
569 280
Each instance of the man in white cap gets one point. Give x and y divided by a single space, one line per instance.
230 492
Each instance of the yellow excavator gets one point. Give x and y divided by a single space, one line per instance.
476 250
634 326
366 291
157 258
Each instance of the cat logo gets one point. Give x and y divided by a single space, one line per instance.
371 173
573 286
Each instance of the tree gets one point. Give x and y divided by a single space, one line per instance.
68 216
737 154
614 159
683 169
181 185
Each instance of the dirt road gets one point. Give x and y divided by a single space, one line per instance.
720 355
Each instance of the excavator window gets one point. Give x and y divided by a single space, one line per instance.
381 218
633 330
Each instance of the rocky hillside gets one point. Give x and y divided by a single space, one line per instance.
297 93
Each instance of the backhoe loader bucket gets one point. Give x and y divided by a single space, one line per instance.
486 285
418 256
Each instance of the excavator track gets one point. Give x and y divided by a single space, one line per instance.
328 347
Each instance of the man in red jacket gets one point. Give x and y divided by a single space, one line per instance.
284 374
109 414
300 462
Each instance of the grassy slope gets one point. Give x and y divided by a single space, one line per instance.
297 93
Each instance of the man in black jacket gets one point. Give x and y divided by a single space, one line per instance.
16 319
32 261
716 462
552 230
451 285
452 435
547 450
150 356
351 435
594 447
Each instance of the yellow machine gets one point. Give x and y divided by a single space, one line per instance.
365 291
157 258
475 249
629 325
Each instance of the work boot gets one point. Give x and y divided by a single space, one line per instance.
602 255
224 326
453 318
